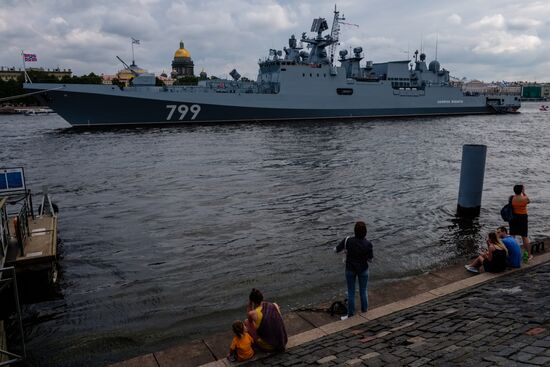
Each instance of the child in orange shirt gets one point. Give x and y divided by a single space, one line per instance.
241 346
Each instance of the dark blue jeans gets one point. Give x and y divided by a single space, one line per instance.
363 280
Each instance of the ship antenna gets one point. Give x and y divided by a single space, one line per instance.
436 42
335 33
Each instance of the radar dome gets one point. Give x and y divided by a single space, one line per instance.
434 66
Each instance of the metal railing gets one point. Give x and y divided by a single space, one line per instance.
21 219
7 279
22 230
4 231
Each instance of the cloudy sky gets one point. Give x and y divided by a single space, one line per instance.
481 39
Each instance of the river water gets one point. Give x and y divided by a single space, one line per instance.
166 230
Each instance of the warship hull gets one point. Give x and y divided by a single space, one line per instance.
106 106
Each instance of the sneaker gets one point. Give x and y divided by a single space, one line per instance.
344 318
471 269
530 258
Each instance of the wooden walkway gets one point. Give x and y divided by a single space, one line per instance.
39 247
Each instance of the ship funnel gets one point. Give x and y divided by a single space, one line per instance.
235 74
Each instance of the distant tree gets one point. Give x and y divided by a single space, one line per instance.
84 79
213 77
38 76
245 79
158 82
10 88
89 79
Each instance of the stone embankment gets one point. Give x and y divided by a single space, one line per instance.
446 317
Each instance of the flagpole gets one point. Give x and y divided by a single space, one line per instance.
133 58
25 75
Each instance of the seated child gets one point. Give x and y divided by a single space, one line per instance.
241 346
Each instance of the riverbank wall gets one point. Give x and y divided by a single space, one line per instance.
305 326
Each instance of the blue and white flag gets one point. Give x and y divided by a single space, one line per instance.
135 41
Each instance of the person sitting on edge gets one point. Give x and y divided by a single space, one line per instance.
358 254
493 260
513 259
241 346
265 323
519 225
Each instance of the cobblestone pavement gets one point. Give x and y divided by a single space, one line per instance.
505 322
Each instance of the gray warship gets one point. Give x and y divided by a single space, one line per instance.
296 83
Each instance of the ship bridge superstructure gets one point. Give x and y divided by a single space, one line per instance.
402 74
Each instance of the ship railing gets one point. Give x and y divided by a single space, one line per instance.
21 228
4 231
10 305
266 89
22 231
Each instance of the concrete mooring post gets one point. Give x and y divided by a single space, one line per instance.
472 173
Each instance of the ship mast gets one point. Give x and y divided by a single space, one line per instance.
335 33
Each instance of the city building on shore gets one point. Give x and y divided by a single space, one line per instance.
12 73
536 91
182 64
474 87
163 77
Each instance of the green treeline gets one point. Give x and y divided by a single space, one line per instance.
12 87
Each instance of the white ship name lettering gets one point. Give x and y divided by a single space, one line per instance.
450 101
183 109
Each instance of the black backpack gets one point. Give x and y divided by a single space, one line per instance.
338 308
507 211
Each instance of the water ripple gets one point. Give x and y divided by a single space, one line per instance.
166 230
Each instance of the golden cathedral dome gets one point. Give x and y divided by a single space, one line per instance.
182 52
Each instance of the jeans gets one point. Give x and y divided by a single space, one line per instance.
363 280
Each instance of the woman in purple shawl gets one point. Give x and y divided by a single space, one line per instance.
265 323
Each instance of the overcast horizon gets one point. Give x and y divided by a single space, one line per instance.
490 40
